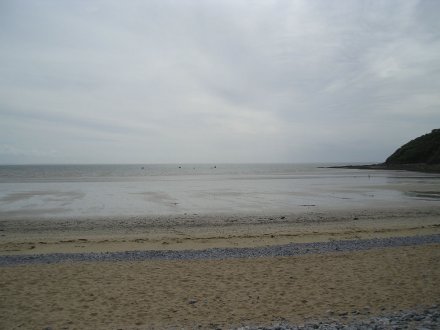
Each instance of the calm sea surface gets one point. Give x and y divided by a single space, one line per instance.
65 191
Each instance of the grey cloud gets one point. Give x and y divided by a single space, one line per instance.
218 80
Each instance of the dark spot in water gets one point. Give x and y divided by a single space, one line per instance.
424 194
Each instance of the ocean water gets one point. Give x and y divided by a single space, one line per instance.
70 191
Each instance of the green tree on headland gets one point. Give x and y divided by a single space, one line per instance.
422 150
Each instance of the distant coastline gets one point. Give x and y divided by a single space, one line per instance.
427 168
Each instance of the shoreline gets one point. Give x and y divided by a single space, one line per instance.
199 232
424 168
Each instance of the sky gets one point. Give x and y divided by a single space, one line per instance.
190 81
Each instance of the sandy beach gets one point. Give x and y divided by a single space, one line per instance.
243 165
219 293
223 293
211 231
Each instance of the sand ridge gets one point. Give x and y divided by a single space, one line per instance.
209 231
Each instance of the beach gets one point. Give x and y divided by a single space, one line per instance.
224 294
272 246
253 289
211 231
244 165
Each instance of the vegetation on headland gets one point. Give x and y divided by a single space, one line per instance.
423 150
421 154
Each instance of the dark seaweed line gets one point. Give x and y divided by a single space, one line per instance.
292 249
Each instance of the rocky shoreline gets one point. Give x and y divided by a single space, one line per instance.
292 249
423 319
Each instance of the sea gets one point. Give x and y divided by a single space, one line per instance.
107 190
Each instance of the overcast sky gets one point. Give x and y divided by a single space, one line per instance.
216 81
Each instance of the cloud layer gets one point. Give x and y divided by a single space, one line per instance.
215 81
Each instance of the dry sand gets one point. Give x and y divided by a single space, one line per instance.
225 293
211 293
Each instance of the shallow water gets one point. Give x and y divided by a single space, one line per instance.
59 191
